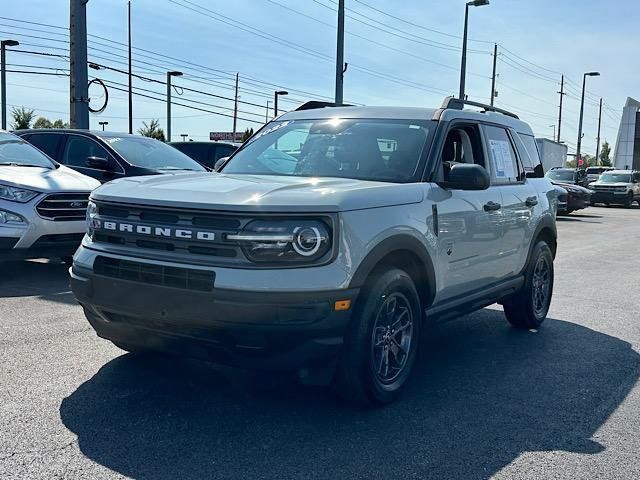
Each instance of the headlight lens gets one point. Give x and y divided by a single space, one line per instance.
15 194
284 241
7 217
92 211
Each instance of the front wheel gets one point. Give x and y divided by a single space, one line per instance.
529 307
382 340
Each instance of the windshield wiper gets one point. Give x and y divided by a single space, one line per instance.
16 164
178 168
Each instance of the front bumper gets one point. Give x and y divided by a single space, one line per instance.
281 330
610 197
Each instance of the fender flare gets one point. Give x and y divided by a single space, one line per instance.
398 243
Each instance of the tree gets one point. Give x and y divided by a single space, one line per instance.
59 124
22 118
152 130
605 161
248 133
42 122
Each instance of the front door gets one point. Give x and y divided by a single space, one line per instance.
469 222
78 148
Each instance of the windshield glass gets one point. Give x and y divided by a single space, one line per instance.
15 151
381 150
150 153
615 178
564 175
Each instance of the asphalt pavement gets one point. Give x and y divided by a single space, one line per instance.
485 401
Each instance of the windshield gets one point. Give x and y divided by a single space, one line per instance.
381 150
149 153
564 175
15 151
615 178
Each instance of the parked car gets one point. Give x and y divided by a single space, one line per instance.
326 244
106 156
621 187
562 197
206 153
593 173
569 176
42 203
577 198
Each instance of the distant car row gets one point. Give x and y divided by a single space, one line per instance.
595 185
44 191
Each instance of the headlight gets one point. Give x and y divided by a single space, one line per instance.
284 241
15 194
92 211
7 217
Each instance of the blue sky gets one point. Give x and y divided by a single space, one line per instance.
413 60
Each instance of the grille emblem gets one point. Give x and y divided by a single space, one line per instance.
153 231
76 204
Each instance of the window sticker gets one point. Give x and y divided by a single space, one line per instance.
502 158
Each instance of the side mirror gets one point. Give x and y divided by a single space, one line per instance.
220 163
465 176
98 163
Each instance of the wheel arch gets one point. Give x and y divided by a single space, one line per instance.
547 232
404 252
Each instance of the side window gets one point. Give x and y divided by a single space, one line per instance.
504 163
223 151
79 148
46 142
532 159
462 145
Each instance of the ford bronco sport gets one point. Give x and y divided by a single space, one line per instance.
327 243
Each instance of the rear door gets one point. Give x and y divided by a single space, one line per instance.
469 222
518 197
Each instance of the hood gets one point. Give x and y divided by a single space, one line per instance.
258 192
572 187
61 179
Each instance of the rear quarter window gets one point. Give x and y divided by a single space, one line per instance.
531 157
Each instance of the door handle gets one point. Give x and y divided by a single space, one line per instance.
492 206
531 201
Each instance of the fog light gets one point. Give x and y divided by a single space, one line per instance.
7 217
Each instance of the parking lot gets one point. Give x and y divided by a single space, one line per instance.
486 401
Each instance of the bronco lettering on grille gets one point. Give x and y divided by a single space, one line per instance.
180 233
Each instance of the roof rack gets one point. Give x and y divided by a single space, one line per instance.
313 104
458 104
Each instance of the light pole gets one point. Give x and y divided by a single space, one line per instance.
275 101
184 136
102 124
3 73
463 67
579 144
340 54
169 75
599 125
554 130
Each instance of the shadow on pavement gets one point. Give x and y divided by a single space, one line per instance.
482 394
580 218
47 280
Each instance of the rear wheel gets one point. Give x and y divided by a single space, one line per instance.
381 342
529 307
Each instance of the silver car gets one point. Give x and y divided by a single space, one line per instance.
42 203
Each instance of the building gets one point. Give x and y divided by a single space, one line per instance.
627 154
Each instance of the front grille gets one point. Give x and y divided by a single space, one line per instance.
176 277
61 207
217 249
59 240
607 189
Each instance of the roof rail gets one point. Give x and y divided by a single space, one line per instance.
313 104
458 104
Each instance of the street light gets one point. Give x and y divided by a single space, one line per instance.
102 124
579 144
170 74
3 77
554 130
275 101
463 67
184 136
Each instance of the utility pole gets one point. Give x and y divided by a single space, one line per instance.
130 73
340 54
235 109
266 114
562 94
598 142
169 75
3 77
79 76
493 76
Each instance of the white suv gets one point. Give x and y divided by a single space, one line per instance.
42 203
327 243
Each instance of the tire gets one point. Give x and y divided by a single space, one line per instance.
381 342
528 308
628 202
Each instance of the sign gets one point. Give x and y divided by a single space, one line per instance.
226 136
